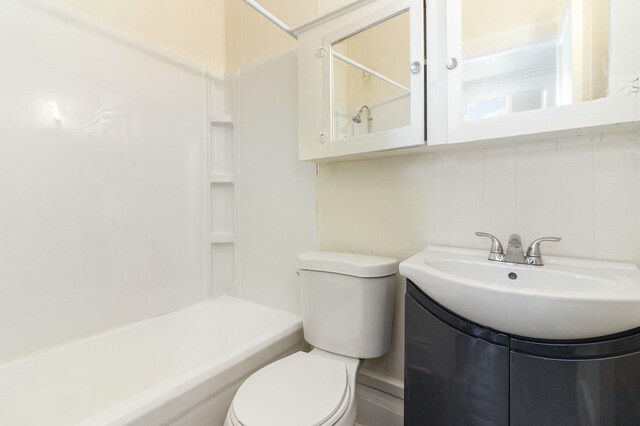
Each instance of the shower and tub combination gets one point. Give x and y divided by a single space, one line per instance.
120 294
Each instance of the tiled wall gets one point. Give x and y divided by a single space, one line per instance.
250 37
585 190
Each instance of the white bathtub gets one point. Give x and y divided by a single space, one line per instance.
182 368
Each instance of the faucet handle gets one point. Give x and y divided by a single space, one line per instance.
496 252
534 256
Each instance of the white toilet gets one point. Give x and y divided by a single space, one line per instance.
347 305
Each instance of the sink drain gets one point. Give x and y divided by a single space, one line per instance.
513 275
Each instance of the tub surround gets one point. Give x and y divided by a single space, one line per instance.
276 198
101 164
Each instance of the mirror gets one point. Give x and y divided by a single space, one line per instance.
521 55
370 79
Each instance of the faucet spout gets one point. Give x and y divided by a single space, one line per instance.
515 253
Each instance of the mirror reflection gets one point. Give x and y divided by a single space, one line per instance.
521 55
371 79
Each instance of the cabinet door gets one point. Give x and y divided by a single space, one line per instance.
451 378
361 81
592 392
534 67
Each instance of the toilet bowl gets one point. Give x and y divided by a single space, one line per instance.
315 388
347 305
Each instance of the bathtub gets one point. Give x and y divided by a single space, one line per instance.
182 368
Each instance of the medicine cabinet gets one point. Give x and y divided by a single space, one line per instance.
361 81
517 67
394 74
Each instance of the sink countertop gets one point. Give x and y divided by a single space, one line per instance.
565 299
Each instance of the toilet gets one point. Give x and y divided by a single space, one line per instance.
347 306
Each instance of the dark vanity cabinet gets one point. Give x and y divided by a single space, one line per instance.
461 374
452 377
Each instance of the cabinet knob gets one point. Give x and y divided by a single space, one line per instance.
452 63
415 67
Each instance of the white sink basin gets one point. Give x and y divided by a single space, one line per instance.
564 299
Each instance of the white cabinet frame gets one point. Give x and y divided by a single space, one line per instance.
436 92
316 91
621 106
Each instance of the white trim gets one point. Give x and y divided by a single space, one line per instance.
208 134
315 86
376 408
617 108
381 382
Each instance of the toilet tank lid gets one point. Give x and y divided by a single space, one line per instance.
357 265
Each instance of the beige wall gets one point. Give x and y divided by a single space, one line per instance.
585 190
222 34
383 48
190 28
493 25
249 37
590 48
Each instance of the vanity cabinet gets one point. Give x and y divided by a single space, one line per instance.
567 392
458 373
451 377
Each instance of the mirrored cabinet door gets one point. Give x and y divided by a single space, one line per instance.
362 81
519 67
371 79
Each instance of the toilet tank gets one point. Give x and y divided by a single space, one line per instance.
347 302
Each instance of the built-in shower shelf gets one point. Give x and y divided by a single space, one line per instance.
221 119
221 178
222 237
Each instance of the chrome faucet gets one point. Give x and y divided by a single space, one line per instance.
515 253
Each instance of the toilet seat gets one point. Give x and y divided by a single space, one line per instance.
302 389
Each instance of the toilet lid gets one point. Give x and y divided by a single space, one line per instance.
300 390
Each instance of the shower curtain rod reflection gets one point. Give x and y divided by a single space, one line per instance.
264 12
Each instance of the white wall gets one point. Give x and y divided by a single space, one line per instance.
276 193
101 179
585 190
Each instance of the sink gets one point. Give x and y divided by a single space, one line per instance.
565 299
